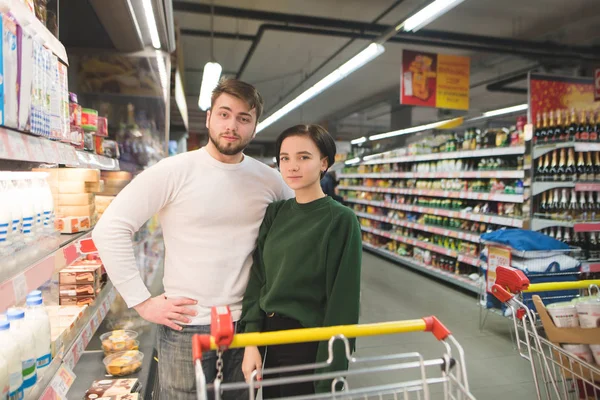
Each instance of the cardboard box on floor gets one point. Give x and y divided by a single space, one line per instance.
559 336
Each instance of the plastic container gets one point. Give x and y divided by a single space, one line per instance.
4 381
124 363
119 341
38 320
23 334
10 351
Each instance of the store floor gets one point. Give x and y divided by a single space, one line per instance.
391 292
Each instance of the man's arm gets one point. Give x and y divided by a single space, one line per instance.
144 197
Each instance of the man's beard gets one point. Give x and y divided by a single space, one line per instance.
228 148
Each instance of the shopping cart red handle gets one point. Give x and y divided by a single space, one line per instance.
511 279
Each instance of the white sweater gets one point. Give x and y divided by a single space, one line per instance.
210 214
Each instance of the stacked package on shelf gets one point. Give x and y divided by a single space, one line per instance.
114 182
74 191
117 389
81 282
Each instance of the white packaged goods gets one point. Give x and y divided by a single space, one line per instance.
10 66
38 320
4 381
10 351
22 333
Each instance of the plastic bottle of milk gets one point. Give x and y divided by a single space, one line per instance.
15 209
4 382
22 332
11 352
28 218
47 201
5 218
39 322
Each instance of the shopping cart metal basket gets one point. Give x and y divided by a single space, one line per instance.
557 373
444 377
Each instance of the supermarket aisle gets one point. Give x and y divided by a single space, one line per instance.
392 292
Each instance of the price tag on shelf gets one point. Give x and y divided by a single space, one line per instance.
17 145
20 287
62 381
86 335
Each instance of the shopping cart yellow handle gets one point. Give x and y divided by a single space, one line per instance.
201 343
554 286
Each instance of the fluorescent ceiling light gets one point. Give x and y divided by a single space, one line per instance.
346 69
210 79
151 22
507 110
406 131
359 140
372 156
352 161
429 13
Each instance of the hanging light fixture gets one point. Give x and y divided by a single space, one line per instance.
212 70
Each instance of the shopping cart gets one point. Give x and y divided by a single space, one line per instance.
445 377
557 373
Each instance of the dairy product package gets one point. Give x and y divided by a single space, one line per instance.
25 78
10 68
55 99
64 102
36 90
48 82
38 320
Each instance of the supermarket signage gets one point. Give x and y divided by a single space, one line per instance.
435 80
597 84
497 256
553 92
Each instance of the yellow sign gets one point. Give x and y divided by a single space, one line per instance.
497 256
453 82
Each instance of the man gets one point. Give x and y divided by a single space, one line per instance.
210 203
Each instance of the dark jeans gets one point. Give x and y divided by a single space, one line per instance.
176 369
288 355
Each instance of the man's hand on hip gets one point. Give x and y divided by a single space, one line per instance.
163 311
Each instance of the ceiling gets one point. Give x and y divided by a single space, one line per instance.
362 103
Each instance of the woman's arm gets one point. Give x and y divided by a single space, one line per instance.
343 287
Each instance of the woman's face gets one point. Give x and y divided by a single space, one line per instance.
300 162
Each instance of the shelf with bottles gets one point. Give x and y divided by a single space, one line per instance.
449 193
445 226
441 267
488 167
465 252
464 211
69 347
472 143
561 126
567 165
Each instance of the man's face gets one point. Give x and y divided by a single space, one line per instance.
231 125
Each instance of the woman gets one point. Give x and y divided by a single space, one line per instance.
306 270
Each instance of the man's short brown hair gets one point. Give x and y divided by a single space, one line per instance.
242 90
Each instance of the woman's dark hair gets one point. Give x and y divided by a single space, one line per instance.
318 135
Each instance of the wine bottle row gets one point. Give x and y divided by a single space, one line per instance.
560 126
567 205
560 165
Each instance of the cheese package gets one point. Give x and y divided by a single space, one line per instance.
68 187
73 224
71 174
113 387
75 211
75 199
78 290
76 300
124 363
119 175
79 275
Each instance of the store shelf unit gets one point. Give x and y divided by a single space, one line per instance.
507 198
29 21
538 224
489 219
516 174
494 152
457 280
58 377
542 149
15 287
465 258
453 233
18 146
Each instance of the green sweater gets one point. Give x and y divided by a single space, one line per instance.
307 267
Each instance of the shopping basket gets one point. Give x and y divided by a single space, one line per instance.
444 377
557 374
